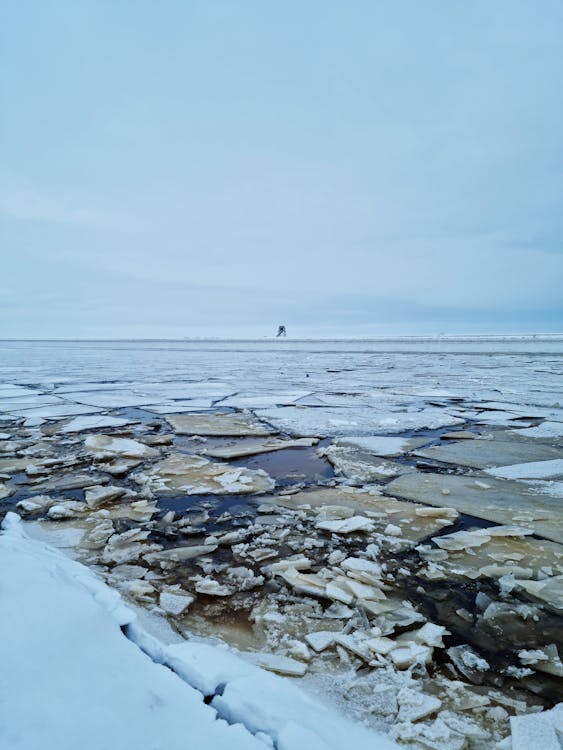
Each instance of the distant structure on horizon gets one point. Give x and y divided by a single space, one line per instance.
281 331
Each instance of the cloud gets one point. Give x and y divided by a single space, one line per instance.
24 201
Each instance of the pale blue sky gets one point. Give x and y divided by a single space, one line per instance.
219 167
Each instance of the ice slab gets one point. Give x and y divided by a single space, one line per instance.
328 421
209 389
276 663
548 590
53 412
251 447
263 400
496 500
493 554
537 730
552 469
545 430
5 491
88 387
103 447
16 391
14 465
484 453
10 405
181 473
228 425
82 424
112 399
380 445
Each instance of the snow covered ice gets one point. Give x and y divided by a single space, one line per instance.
370 530
78 671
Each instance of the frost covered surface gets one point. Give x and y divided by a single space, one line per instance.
114 689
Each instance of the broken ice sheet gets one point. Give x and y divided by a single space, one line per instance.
321 421
9 405
104 447
544 430
181 473
361 466
112 399
492 552
262 400
221 425
412 522
489 452
552 469
496 500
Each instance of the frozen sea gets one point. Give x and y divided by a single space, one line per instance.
298 385
457 441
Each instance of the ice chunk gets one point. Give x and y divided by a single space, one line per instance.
181 473
415 705
175 602
106 447
347 526
96 496
533 730
321 639
276 663
5 491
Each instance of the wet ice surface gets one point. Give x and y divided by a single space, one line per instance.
381 519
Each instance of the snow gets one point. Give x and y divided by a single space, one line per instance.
91 677
263 702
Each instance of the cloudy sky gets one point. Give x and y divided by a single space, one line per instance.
218 167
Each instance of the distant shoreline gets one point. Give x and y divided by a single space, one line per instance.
310 339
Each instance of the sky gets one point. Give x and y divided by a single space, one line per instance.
221 167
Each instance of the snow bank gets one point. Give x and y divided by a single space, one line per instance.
79 671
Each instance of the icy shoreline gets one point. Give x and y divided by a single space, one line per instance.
78 671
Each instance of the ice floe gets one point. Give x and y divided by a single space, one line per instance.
486 497
222 425
181 473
